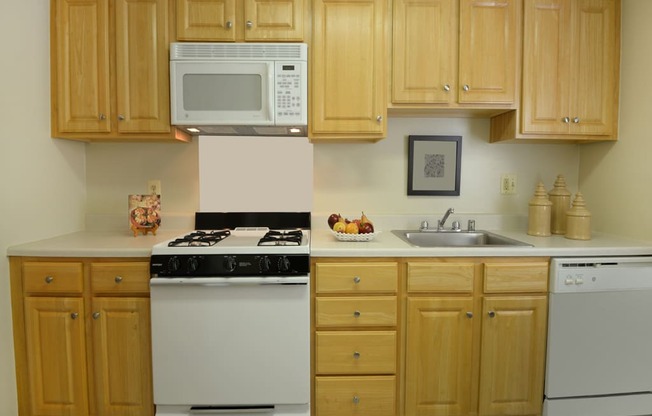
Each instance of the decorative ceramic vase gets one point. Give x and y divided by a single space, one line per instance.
539 213
561 199
578 220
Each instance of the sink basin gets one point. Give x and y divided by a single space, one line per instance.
456 239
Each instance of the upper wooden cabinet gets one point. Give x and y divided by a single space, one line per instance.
109 70
348 82
240 20
455 53
570 73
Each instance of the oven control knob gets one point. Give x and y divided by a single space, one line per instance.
173 264
230 263
283 264
193 264
265 264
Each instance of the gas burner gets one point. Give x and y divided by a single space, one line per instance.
200 239
281 238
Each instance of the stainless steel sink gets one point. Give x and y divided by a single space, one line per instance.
456 239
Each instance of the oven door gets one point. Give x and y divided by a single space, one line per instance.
239 342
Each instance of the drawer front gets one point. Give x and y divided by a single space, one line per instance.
359 396
53 277
516 277
356 311
350 352
356 277
440 277
127 277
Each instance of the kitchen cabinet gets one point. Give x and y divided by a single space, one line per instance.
236 20
355 316
455 53
570 73
81 334
348 85
475 334
109 70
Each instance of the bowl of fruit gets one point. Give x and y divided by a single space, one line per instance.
359 229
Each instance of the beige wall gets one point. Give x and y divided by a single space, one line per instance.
616 178
42 181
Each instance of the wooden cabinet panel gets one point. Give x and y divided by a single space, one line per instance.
53 277
202 20
516 277
440 277
123 277
355 396
349 352
278 20
356 311
356 277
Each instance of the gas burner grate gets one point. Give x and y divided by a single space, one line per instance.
200 239
282 238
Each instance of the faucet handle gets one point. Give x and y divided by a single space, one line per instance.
471 225
456 226
424 225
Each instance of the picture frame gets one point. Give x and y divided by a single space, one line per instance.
434 165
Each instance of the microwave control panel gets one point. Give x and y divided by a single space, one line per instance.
291 93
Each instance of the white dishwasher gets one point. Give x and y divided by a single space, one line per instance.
599 359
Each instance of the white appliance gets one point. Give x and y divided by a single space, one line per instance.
230 311
239 88
599 360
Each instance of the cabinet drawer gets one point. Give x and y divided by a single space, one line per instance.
356 311
359 396
128 277
53 277
350 352
440 277
516 277
356 277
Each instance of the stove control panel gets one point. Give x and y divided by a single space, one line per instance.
216 265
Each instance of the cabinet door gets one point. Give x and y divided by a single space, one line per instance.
142 62
56 356
488 35
513 355
122 356
348 68
594 67
280 20
438 356
80 62
424 51
202 20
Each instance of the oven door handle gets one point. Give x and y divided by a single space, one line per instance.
228 281
230 410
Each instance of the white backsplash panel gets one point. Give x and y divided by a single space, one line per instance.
255 174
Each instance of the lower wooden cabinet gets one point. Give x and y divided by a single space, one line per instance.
82 336
348 396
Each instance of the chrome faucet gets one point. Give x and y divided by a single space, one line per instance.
442 221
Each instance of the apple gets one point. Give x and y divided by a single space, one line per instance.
366 228
339 227
332 219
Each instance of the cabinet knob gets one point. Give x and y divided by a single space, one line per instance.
356 279
492 314
249 24
447 87
118 279
469 314
576 120
566 119
356 399
379 119
49 279
356 355
74 315
96 315
121 117
229 24
466 87
356 314
102 116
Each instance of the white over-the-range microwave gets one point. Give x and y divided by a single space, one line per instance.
239 88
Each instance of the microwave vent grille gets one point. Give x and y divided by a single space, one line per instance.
242 51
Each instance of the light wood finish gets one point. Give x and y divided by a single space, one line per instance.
355 396
76 353
120 277
440 277
356 277
438 356
472 50
121 347
518 277
351 352
56 356
513 355
348 78
241 20
570 73
52 277
356 311
109 70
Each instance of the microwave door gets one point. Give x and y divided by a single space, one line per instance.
222 93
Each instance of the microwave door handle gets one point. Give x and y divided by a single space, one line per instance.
271 98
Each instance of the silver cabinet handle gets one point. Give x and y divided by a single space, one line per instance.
356 355
356 314
118 279
466 87
492 314
249 24
356 279
356 399
229 24
96 315
469 314
74 315
49 279
447 87
102 116
566 119
379 119
121 117
576 120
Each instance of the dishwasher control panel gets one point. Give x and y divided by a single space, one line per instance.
599 274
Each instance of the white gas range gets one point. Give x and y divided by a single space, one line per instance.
230 307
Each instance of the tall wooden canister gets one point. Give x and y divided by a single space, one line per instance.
539 213
561 200
578 220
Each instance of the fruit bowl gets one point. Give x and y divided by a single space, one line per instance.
354 237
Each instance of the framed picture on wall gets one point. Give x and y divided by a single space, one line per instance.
434 165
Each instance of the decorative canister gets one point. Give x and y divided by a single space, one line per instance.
561 199
539 213
578 220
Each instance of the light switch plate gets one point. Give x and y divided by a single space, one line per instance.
154 186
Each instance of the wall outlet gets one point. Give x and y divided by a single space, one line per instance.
508 184
154 186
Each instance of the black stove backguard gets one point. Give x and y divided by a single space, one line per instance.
272 220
